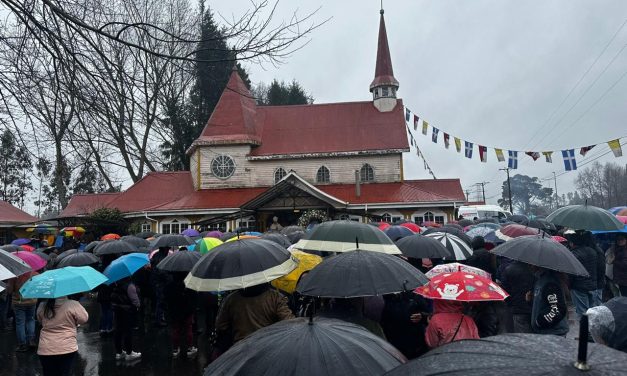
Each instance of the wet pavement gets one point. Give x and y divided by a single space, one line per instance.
96 354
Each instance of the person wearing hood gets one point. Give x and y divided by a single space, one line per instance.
59 319
608 323
449 323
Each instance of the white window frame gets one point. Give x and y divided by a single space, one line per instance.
146 227
279 174
363 172
386 217
180 225
322 170
429 216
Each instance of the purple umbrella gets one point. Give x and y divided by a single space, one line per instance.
20 241
214 234
190 232
34 261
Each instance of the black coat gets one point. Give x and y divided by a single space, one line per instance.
481 259
588 258
517 280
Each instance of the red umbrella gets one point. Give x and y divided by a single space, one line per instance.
28 248
513 231
32 259
412 226
622 218
462 287
383 225
559 239
110 237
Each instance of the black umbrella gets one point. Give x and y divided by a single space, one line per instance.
295 236
181 261
419 246
343 236
78 259
543 252
487 220
12 264
12 248
454 225
64 254
514 354
461 250
397 232
585 217
239 264
520 219
450 230
43 255
91 246
136 241
361 273
145 234
113 247
281 240
228 235
171 241
322 347
465 222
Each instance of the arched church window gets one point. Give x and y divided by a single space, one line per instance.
323 175
279 174
366 173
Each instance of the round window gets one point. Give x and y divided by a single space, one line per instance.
222 166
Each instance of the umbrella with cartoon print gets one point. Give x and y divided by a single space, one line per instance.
462 287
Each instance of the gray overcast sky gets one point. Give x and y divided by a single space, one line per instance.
488 71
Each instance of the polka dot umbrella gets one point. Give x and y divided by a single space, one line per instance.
462 287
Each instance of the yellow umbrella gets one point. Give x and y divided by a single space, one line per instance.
307 262
240 237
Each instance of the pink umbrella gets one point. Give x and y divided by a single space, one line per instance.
32 259
559 239
622 218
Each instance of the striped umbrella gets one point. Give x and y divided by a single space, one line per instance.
207 244
460 249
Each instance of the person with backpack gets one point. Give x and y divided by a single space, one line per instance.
126 303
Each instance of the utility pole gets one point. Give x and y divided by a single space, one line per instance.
509 189
557 197
482 184
467 195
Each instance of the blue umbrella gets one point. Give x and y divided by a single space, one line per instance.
20 241
252 233
62 282
624 230
125 266
397 232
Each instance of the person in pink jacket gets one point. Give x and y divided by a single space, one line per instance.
59 319
449 323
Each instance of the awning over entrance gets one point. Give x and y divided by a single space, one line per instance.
293 192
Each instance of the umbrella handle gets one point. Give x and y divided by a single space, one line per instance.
582 351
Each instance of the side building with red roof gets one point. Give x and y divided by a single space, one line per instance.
253 163
13 222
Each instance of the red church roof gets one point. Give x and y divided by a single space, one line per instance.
329 128
383 74
12 215
233 118
83 204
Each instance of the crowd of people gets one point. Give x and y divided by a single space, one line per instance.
538 303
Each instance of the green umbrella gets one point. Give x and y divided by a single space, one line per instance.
585 217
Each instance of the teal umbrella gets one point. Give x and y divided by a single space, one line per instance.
125 266
62 282
585 217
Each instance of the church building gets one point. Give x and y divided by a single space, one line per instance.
252 163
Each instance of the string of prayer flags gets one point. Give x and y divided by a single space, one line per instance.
468 148
513 159
499 155
615 147
568 155
533 154
584 150
570 163
483 153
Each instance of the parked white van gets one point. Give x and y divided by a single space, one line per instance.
483 211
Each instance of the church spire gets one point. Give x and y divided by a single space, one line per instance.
384 85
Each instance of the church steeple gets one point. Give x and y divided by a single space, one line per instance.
384 85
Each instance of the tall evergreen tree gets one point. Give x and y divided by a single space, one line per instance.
15 164
281 94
